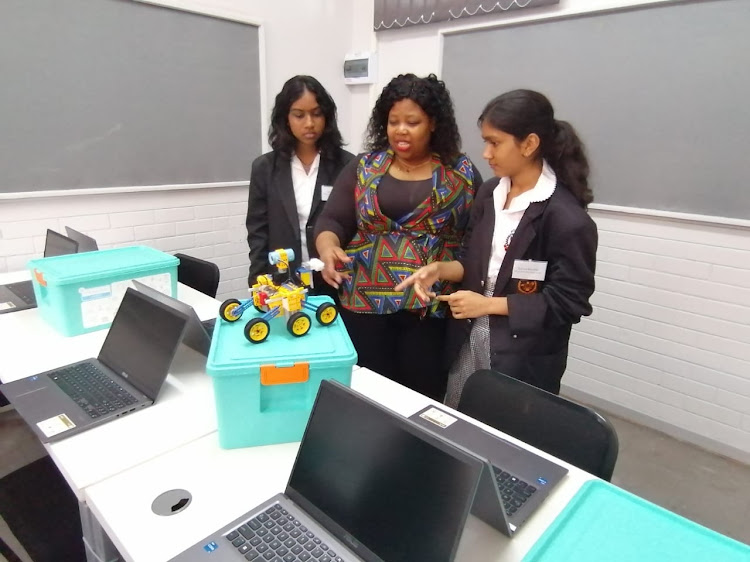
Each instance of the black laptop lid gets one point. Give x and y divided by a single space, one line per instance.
381 484
196 336
85 243
142 341
59 245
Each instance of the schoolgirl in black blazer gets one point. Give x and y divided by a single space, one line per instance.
304 136
526 277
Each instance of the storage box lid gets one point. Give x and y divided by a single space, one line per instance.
323 346
74 268
603 522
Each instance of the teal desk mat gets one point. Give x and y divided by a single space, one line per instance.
605 523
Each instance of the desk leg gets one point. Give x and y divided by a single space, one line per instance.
98 546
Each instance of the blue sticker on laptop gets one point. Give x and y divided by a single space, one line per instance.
542 481
210 547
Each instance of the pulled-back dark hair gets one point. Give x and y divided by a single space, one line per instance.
280 136
433 97
522 112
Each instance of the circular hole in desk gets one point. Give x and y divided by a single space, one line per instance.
171 502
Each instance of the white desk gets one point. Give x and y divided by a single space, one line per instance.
225 483
30 345
183 412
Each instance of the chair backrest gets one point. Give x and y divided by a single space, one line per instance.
199 274
570 431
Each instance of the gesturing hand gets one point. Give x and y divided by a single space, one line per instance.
422 280
332 257
467 304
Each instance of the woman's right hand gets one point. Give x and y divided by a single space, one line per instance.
333 257
422 280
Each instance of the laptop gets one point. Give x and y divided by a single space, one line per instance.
523 479
197 334
85 243
127 375
367 484
20 295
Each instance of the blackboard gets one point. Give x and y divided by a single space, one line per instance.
110 93
658 94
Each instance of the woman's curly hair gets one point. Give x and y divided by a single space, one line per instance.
433 97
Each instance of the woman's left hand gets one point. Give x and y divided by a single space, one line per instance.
467 304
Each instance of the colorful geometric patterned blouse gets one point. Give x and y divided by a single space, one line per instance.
385 251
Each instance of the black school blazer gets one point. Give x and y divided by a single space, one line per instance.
531 343
272 221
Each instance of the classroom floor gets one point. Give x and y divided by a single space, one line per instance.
704 487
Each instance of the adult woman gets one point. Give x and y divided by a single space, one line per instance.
527 265
402 204
290 185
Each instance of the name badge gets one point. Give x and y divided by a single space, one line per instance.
529 269
325 192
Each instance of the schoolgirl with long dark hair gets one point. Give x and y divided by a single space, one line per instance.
527 263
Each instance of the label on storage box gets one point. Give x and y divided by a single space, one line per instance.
99 304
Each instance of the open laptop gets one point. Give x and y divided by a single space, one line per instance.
523 479
197 333
127 375
20 295
367 484
85 243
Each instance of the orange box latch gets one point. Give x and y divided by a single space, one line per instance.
271 374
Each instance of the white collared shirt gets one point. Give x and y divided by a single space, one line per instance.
507 220
304 189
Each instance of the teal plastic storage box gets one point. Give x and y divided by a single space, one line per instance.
604 523
258 398
80 293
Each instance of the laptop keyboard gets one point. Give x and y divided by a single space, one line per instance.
277 536
24 290
513 491
92 390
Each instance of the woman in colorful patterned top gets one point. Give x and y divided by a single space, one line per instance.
401 205
527 263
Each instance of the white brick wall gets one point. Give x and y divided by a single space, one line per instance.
668 343
207 223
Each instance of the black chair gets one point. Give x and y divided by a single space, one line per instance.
199 274
41 511
572 432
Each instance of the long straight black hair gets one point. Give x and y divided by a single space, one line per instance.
522 112
280 136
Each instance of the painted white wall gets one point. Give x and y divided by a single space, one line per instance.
668 343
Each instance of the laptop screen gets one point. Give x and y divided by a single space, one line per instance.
59 245
85 243
149 326
380 482
196 335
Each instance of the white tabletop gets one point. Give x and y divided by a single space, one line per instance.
183 411
30 345
225 483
